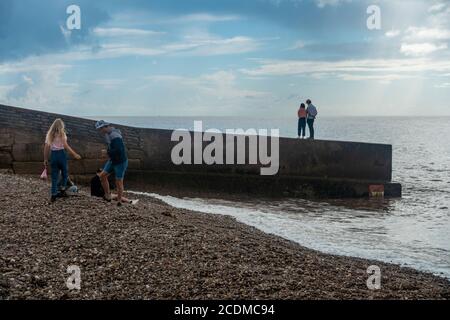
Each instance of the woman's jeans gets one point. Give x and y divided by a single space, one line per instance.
302 127
58 163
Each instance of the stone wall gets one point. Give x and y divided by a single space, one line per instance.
22 136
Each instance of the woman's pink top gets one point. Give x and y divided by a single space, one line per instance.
302 113
57 145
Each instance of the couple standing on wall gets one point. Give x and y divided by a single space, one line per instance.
57 146
306 115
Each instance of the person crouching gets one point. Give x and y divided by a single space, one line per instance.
117 162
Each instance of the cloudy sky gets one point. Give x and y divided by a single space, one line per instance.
226 57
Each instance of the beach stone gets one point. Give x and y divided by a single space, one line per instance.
154 251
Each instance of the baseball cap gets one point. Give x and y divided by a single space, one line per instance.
101 124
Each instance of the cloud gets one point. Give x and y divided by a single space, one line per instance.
189 39
378 77
310 15
440 14
433 36
34 27
430 33
421 49
445 85
118 50
214 45
38 27
438 7
209 45
195 43
108 84
424 33
393 33
202 18
324 3
368 69
40 89
21 89
32 64
297 45
381 78
200 44
221 85
216 93
296 3
124 32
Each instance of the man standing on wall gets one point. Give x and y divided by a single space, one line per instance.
118 160
311 112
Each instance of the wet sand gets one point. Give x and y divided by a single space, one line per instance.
154 251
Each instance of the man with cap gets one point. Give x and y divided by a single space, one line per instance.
118 160
311 114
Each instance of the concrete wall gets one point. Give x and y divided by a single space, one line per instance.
22 135
302 163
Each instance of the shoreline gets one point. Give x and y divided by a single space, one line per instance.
174 201
154 251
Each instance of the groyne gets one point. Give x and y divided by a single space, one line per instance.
306 168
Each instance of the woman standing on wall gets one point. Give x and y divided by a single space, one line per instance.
56 145
302 121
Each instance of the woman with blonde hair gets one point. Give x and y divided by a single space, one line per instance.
56 145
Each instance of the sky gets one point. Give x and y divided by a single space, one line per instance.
257 58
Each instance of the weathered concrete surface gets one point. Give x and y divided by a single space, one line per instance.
267 186
307 168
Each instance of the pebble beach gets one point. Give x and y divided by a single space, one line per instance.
154 251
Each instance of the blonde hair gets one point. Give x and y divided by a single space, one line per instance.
57 129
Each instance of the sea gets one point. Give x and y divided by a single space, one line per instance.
413 231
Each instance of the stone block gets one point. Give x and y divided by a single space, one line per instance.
6 140
136 154
88 150
32 152
86 166
134 164
24 137
5 160
28 168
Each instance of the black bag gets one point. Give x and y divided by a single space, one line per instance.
96 187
